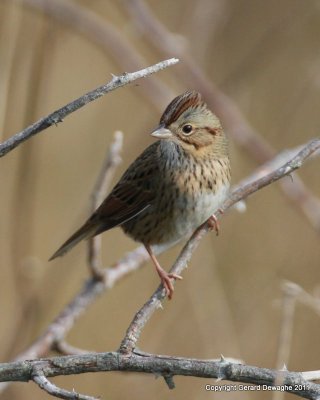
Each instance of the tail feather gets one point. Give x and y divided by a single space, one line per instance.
86 231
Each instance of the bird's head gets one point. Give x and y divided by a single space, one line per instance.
188 121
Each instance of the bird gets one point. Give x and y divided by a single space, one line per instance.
172 188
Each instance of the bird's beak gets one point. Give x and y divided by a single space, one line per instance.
161 132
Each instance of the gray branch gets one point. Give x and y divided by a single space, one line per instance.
166 366
109 166
40 379
238 193
58 115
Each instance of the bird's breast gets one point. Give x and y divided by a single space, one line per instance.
191 211
187 192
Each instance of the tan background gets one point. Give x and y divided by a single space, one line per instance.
265 56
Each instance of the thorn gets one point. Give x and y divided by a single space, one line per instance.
115 78
169 381
55 119
284 368
219 379
222 358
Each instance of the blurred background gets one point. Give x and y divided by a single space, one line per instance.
264 56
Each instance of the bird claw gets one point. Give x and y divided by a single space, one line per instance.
167 283
214 224
164 275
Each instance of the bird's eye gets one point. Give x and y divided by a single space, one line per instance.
187 129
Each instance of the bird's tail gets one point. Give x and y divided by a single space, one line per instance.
87 230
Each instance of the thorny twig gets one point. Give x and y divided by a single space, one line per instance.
166 366
57 116
40 379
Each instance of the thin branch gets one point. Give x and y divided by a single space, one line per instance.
291 293
290 296
108 37
90 291
40 379
111 162
311 375
58 115
113 159
66 349
157 365
238 193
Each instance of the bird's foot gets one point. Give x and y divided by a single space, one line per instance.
214 223
166 280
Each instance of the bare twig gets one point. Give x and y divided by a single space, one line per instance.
40 379
58 116
290 296
91 289
108 37
311 301
112 160
291 293
238 193
9 28
159 365
67 349
311 375
57 330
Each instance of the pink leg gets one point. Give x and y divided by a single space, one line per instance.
214 223
164 276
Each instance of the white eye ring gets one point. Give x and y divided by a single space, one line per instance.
187 129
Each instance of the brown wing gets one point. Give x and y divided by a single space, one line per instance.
132 195
126 201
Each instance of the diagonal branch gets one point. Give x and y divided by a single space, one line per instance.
40 379
57 116
238 193
80 19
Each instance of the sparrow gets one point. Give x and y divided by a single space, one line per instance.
172 188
